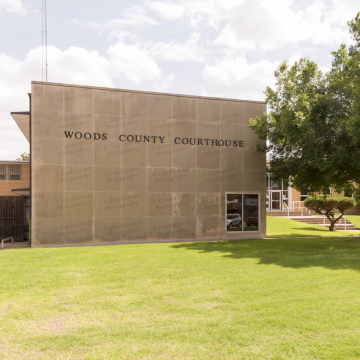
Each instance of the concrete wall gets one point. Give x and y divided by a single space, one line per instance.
7 185
96 189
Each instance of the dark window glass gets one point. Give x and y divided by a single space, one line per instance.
234 212
251 212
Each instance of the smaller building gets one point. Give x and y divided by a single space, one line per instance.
281 199
14 199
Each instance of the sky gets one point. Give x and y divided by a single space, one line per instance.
220 48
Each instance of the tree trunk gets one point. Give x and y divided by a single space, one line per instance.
332 225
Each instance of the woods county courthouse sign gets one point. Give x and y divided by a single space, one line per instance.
117 166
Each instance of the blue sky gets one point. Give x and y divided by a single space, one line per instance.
224 48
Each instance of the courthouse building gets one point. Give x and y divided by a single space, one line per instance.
118 166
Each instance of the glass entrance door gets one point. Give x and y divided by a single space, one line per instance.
275 200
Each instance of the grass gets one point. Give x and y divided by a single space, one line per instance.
354 219
283 227
282 298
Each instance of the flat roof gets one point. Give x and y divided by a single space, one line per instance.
14 162
146 92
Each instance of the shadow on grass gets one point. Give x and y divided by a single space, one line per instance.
332 253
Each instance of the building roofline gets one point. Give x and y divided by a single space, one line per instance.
146 92
20 112
14 162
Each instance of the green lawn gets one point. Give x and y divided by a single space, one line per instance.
283 227
283 298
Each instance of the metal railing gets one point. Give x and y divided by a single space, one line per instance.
3 240
338 223
296 206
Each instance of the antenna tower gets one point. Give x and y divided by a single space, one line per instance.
44 70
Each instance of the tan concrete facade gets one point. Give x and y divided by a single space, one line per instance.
7 185
117 166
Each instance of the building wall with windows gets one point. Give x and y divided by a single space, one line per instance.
13 175
118 166
279 198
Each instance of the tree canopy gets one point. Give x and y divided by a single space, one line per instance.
24 157
313 126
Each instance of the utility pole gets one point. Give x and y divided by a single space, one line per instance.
44 42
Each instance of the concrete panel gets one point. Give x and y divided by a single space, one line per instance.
208 157
134 104
255 181
109 127
79 152
208 110
48 151
184 156
208 204
232 158
47 97
160 228
160 155
107 178
184 204
183 227
134 178
184 180
159 204
79 204
161 127
160 179
78 100
48 231
159 106
254 160
48 178
78 178
107 102
107 230
107 203
107 153
48 124
48 204
232 112
78 231
134 229
134 203
183 108
208 180
209 227
231 180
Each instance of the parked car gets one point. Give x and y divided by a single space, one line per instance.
233 220
252 220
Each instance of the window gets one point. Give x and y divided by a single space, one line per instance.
10 172
348 193
242 212
303 195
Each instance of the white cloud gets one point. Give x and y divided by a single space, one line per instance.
167 11
237 78
165 84
132 16
132 62
12 6
73 66
172 51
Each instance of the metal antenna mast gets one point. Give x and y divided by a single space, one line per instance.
44 42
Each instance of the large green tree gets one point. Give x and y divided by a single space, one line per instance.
313 123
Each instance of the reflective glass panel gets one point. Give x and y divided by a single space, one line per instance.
234 212
251 212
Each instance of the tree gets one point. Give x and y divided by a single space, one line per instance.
24 157
313 126
326 204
